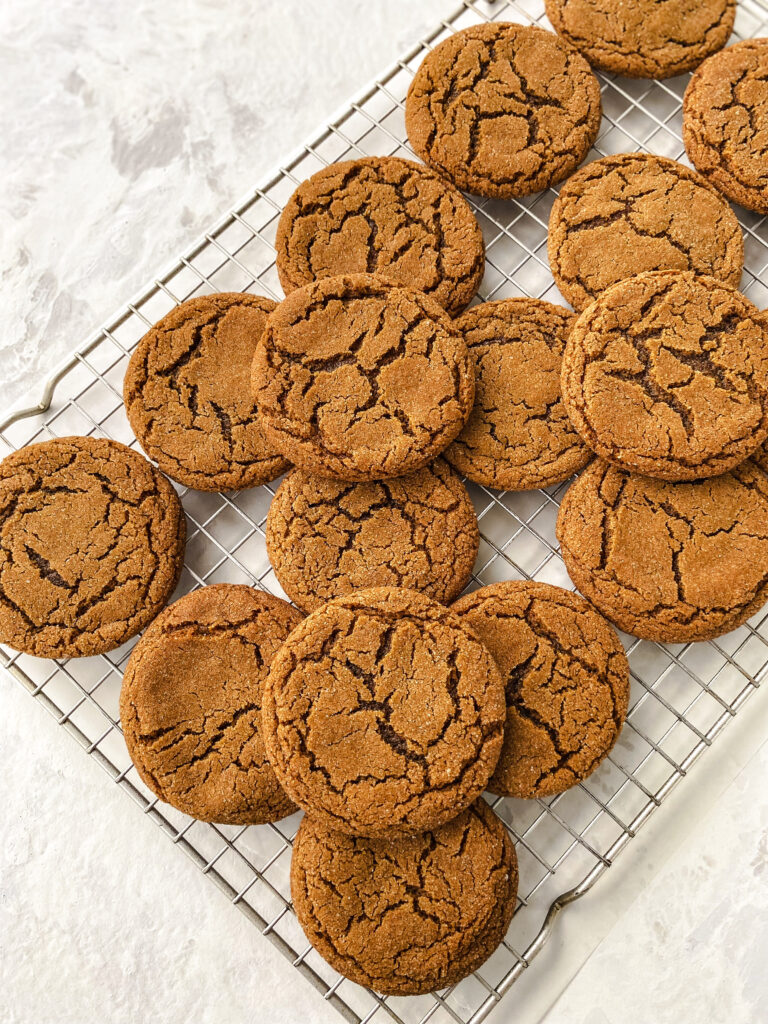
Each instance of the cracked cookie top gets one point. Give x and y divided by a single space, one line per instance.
190 704
411 916
518 436
381 214
357 378
670 562
503 110
567 683
188 398
91 546
725 109
383 714
666 374
634 212
760 457
326 538
644 38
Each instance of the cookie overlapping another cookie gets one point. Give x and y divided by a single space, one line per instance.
383 714
666 374
358 378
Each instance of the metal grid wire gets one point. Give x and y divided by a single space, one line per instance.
682 695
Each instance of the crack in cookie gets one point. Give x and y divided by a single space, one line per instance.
664 561
383 714
665 374
326 538
632 213
503 110
567 683
382 215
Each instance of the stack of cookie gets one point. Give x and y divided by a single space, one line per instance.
381 702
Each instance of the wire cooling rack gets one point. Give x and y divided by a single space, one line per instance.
682 696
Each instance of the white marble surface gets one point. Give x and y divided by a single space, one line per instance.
693 946
127 128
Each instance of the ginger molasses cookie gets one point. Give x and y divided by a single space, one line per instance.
326 538
360 379
382 215
409 916
666 561
190 705
91 546
644 38
634 212
666 374
503 110
188 398
567 683
725 113
383 714
518 435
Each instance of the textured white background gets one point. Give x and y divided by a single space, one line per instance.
126 128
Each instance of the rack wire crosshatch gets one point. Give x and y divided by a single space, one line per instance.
682 695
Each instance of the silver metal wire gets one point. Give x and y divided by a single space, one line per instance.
682 695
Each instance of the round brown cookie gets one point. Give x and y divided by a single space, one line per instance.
358 379
326 538
383 714
190 704
383 215
567 683
503 110
409 916
91 546
634 212
518 435
666 374
644 38
725 111
188 399
665 561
